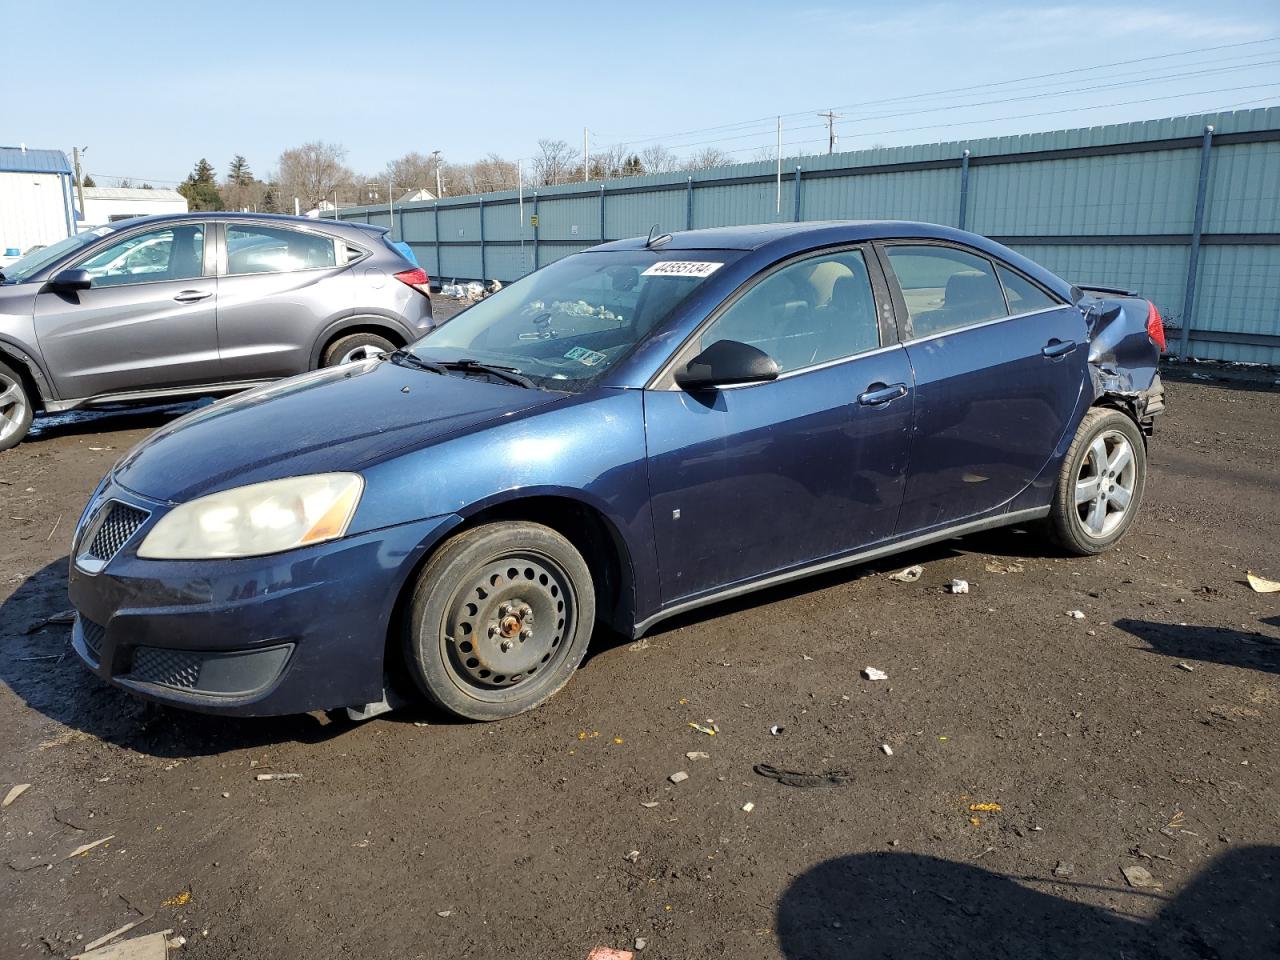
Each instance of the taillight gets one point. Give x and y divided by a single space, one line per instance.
418 279
1155 327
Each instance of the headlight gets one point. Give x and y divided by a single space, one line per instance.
258 519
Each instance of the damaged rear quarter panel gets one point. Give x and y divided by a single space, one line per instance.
1122 358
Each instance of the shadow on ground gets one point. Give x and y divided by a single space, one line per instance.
1235 648
909 906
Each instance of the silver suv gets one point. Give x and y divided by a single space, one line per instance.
156 308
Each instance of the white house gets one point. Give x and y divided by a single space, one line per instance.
36 206
103 205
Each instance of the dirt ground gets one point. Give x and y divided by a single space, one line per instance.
1144 735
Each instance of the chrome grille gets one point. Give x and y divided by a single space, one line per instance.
118 524
171 668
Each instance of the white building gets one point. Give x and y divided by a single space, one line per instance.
103 205
36 205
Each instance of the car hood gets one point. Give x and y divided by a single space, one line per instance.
337 419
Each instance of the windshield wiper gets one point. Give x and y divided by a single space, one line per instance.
404 358
509 374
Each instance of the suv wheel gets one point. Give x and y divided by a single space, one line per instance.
357 347
15 408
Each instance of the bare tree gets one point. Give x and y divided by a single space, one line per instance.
706 158
311 173
413 171
658 159
555 162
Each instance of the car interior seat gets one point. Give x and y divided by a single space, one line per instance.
970 297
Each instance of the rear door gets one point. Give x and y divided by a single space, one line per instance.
147 322
276 292
750 480
999 365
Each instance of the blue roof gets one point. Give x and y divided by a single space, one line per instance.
17 160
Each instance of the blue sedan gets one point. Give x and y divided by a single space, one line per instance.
631 432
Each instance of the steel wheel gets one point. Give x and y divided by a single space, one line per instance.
15 408
508 622
1105 484
500 619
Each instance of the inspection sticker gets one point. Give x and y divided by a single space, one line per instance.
589 357
683 268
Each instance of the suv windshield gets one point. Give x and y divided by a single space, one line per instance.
26 267
566 324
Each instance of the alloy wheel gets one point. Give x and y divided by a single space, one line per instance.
363 352
1105 485
13 406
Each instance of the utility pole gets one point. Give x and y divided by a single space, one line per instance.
778 202
831 118
75 153
439 191
586 157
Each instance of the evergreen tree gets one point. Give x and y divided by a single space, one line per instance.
239 173
87 181
201 188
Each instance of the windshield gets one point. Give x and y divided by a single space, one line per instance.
26 267
566 324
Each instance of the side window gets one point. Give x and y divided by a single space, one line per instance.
810 312
253 249
174 253
1023 295
945 288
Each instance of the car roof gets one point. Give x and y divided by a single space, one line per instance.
755 236
280 218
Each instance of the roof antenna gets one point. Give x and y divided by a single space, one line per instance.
656 239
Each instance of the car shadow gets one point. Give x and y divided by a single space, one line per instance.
1235 648
108 419
907 905
39 666
1010 543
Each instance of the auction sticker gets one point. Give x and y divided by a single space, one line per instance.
683 268
589 357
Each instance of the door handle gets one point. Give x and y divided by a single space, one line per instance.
1058 348
878 394
193 296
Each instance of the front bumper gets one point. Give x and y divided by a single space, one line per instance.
258 636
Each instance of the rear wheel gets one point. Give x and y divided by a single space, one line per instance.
501 618
15 408
1100 484
356 347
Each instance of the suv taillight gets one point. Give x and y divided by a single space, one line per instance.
1155 327
418 279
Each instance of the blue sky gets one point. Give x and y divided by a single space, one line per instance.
152 87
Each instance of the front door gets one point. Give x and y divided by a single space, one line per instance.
747 481
999 366
147 322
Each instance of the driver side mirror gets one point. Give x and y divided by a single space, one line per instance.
725 363
68 281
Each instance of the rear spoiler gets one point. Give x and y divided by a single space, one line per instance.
1097 288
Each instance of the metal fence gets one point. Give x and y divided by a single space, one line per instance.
1185 210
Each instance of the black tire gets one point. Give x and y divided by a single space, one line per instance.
1094 524
15 407
501 618
343 349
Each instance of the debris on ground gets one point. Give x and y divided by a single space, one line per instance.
748 807
697 755
444 913
62 617
117 932
1262 584
641 943
888 750
796 778
996 566
632 857
1140 877
1063 869
678 777
874 673
1186 666
153 946
278 776
648 804
608 953
909 575
86 847
1075 614
958 586
776 729
14 793
985 808
710 731
177 900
